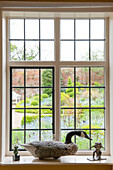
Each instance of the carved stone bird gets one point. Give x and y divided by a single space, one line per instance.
55 149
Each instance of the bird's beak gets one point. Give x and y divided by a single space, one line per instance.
88 137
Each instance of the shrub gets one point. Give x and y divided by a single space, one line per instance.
34 103
45 96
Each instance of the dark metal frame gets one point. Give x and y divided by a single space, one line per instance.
90 106
24 108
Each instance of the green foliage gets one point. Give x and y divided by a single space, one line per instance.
70 91
47 81
34 103
45 96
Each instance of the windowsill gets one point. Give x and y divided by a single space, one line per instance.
64 160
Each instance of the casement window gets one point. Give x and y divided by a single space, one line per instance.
58 79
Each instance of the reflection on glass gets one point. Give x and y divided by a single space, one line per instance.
97 135
97 28
67 29
17 139
32 29
82 76
47 50
67 77
17 118
67 51
17 50
46 135
67 118
82 50
97 50
97 76
32 97
82 118
82 97
97 118
97 97
17 97
47 28
46 78
32 136
32 50
67 97
17 77
32 77
82 29
46 97
16 29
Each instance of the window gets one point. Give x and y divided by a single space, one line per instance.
57 79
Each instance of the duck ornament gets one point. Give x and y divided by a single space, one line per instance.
55 149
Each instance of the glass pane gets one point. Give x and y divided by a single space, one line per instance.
67 118
67 97
46 119
97 97
82 29
97 118
97 135
32 77
82 76
32 136
17 97
47 28
17 118
67 51
63 135
17 77
67 29
46 135
17 139
82 97
16 29
32 118
97 76
32 29
97 28
46 97
47 50
67 77
46 78
32 97
83 143
82 50
32 50
97 50
82 118
17 50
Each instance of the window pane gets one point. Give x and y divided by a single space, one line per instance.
46 78
47 50
82 50
82 118
17 118
46 135
18 77
97 28
67 118
82 29
17 98
82 97
67 77
17 139
32 118
46 119
97 50
97 118
47 28
67 97
46 97
97 76
17 50
32 29
82 76
97 97
67 51
16 29
67 29
32 136
32 97
32 50
97 135
32 77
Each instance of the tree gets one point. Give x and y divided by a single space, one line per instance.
47 81
70 91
